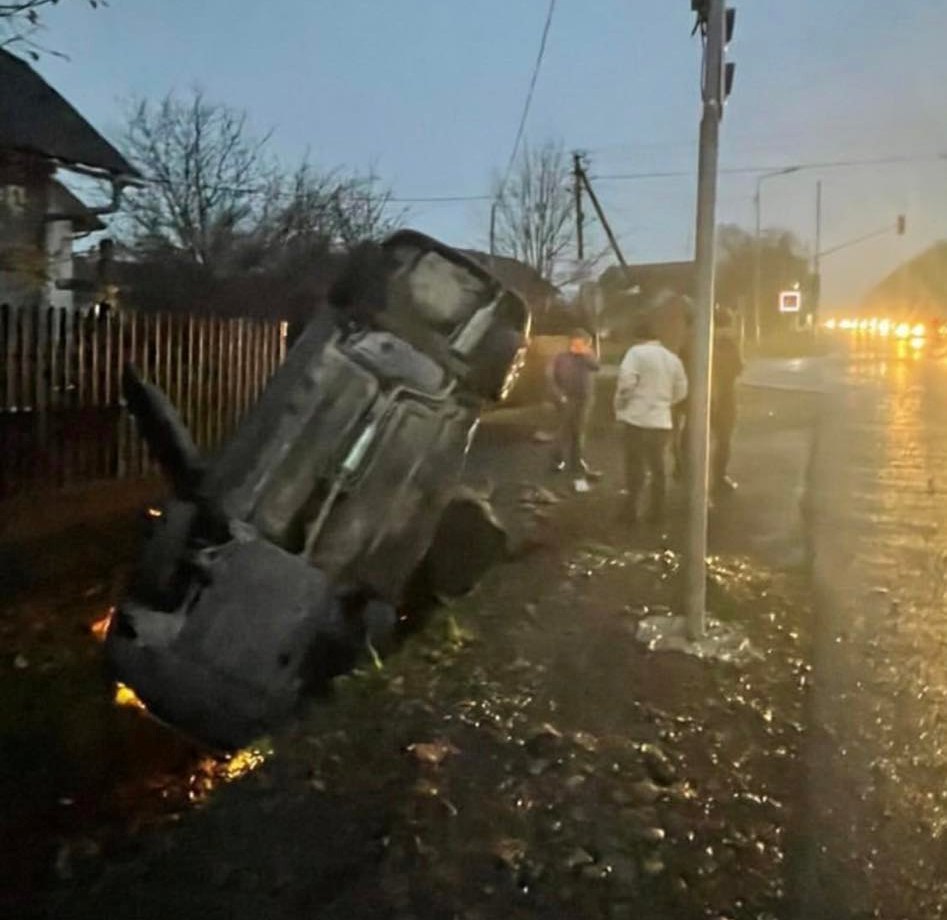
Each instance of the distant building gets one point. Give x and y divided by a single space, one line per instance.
626 294
40 133
917 288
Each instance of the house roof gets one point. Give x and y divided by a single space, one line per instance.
520 277
35 118
63 205
651 277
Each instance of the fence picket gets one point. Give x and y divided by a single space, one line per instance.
62 412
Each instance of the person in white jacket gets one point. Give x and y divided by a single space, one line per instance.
651 380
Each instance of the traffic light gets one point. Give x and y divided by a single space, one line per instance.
730 24
729 68
721 86
902 224
729 72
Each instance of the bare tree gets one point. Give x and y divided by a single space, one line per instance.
206 176
336 208
212 193
220 226
783 261
362 210
21 21
534 209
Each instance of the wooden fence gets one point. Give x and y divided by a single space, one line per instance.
62 418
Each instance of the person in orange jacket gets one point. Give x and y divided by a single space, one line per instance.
571 377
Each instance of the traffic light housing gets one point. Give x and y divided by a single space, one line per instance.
729 68
902 224
729 72
721 86
729 24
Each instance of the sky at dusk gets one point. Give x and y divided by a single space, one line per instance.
429 94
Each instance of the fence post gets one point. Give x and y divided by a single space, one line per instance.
121 446
201 428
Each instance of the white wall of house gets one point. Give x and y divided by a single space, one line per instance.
59 236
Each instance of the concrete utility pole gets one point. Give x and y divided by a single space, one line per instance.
577 191
698 412
606 226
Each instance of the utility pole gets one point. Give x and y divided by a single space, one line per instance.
606 226
715 22
577 191
816 258
757 265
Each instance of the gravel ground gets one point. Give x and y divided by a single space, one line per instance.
520 756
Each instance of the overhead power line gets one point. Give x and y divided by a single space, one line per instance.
690 173
796 167
618 177
529 97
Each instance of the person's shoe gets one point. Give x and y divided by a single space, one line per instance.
590 474
726 484
581 485
559 466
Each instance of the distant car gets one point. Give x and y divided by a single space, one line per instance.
280 556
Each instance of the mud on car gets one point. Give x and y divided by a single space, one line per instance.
279 558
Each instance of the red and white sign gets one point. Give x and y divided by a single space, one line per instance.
790 302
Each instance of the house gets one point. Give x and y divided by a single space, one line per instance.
625 293
40 134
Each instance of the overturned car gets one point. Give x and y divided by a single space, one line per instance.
281 558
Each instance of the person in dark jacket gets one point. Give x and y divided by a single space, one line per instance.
727 367
571 376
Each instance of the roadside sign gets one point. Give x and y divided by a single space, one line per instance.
790 301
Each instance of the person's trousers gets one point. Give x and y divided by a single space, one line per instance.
645 450
678 437
570 445
723 420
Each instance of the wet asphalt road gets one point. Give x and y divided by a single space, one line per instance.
874 836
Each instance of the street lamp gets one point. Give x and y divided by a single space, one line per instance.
757 268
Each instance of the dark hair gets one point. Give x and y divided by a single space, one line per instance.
643 327
723 318
669 298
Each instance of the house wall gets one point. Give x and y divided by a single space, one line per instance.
59 235
24 196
